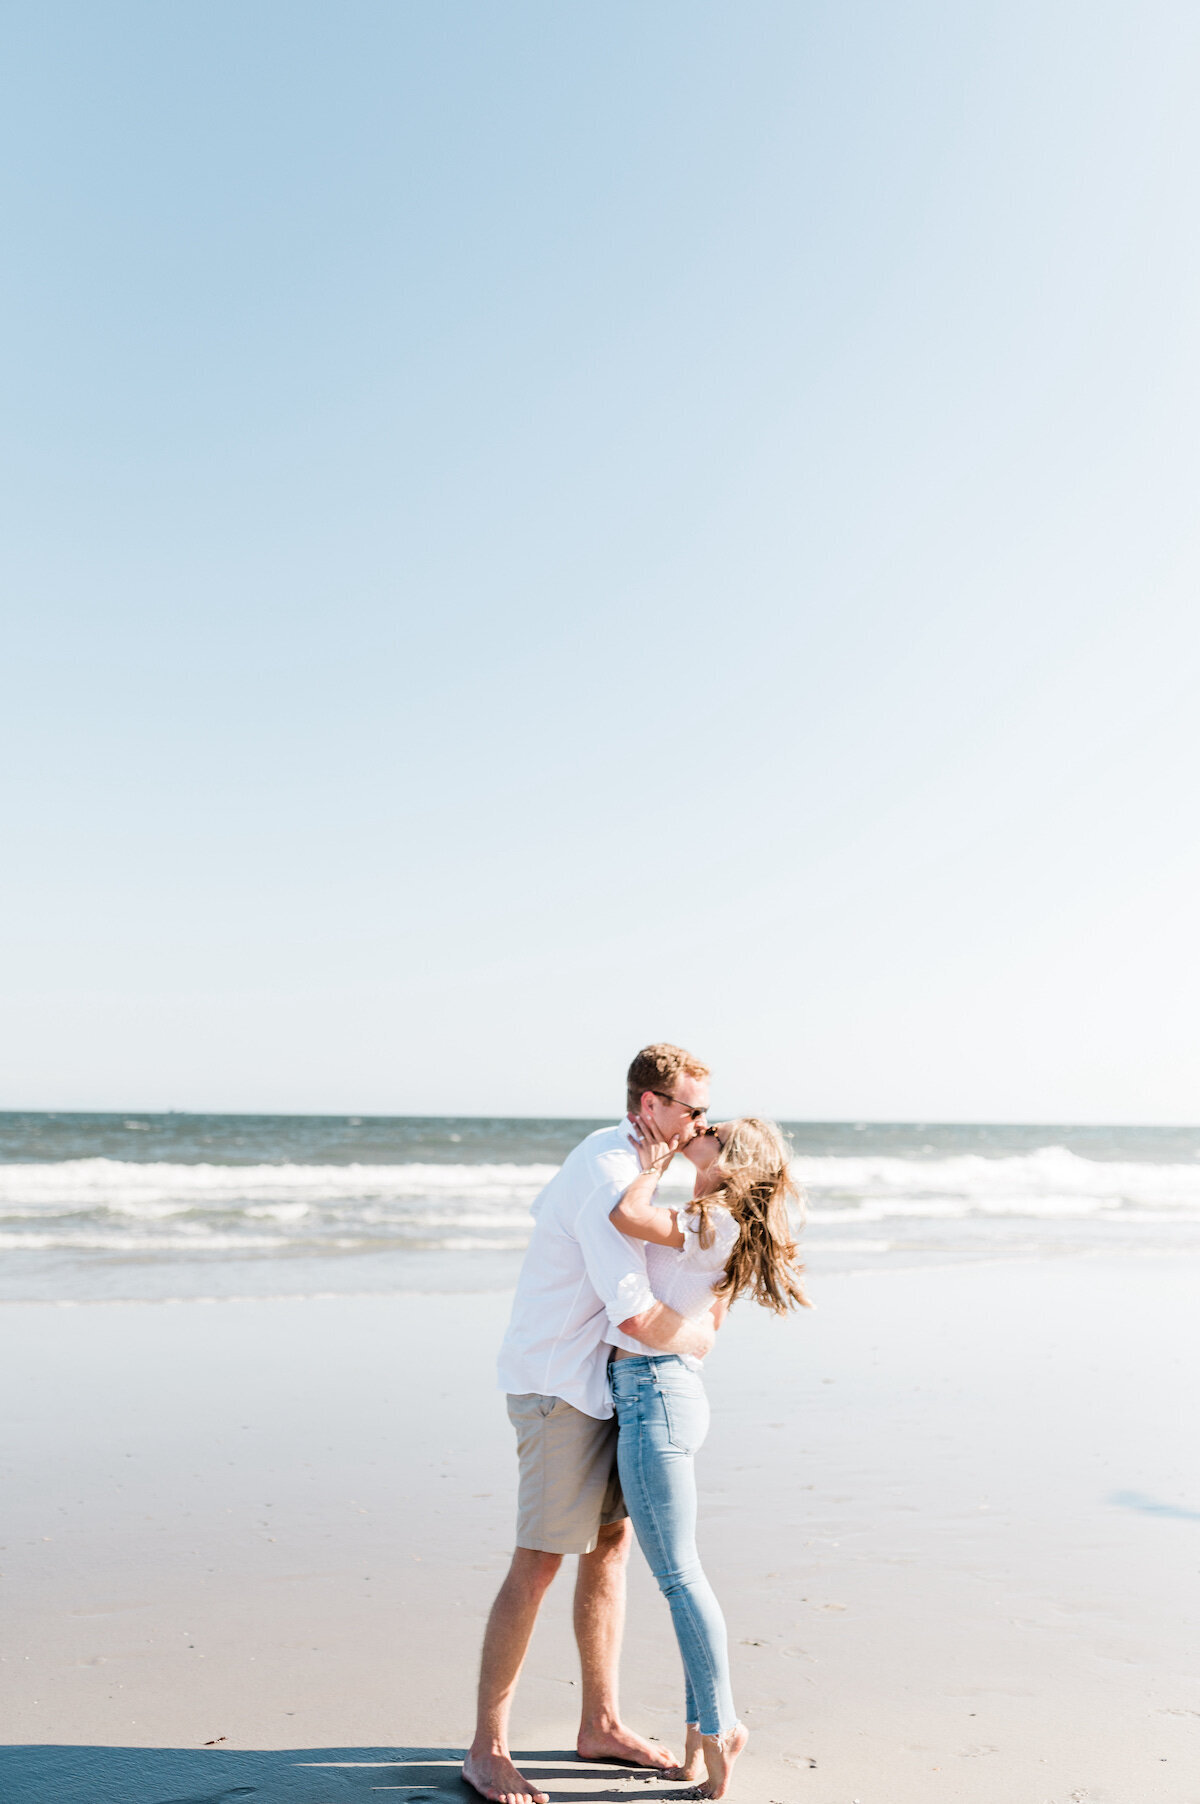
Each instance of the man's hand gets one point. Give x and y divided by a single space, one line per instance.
664 1330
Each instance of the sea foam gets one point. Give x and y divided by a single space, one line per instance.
119 1206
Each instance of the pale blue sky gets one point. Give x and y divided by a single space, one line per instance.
534 527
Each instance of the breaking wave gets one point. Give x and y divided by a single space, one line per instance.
120 1207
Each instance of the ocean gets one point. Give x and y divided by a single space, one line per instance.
154 1207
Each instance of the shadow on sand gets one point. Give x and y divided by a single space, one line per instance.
44 1774
1152 1506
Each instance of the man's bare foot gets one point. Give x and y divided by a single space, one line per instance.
620 1743
494 1776
720 1752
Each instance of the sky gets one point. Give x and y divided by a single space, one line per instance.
530 529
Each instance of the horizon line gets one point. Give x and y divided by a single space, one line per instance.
357 1117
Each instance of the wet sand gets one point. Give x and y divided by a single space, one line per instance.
954 1518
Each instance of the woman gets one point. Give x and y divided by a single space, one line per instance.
734 1238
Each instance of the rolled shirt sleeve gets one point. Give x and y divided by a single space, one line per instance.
615 1265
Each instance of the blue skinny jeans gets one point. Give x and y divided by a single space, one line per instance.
663 1416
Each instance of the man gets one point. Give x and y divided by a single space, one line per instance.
582 1290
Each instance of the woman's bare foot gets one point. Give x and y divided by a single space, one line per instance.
720 1752
692 1765
494 1776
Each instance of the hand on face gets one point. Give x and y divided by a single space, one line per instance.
654 1152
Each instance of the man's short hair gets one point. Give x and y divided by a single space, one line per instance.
657 1068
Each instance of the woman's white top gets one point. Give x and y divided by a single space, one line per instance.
683 1277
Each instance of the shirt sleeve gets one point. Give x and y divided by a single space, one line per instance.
615 1264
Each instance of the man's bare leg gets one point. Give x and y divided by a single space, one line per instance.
599 1623
488 1766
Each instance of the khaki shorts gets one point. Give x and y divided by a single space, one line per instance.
569 1486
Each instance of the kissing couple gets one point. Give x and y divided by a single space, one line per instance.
618 1303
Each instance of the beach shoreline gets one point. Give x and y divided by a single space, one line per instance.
163 1207
952 1517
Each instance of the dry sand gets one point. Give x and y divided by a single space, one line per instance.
954 1518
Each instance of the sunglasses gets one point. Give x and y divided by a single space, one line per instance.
692 1114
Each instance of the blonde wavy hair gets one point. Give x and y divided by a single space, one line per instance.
755 1187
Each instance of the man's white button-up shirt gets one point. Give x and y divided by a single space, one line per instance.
581 1277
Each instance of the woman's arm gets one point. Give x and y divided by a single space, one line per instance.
639 1216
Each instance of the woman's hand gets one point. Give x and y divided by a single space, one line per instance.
654 1153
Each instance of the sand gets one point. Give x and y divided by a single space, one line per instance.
953 1516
